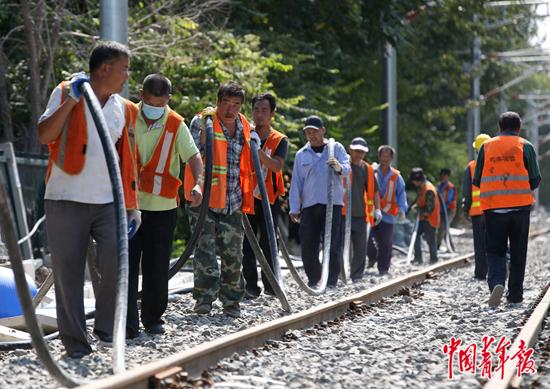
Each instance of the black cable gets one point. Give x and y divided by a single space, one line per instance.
37 336
268 217
193 239
121 300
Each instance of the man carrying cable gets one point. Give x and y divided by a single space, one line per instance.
448 192
365 199
272 152
79 197
163 141
309 198
507 173
393 204
471 205
427 204
231 195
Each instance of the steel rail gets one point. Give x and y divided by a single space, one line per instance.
200 357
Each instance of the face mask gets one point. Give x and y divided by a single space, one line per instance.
153 113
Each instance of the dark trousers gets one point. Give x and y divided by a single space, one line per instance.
379 248
501 228
152 246
425 229
478 228
69 226
258 222
358 247
312 228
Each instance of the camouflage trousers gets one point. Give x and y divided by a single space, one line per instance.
221 235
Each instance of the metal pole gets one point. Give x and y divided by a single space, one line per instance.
391 98
533 133
113 15
473 114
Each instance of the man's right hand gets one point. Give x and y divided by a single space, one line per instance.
208 111
295 217
77 80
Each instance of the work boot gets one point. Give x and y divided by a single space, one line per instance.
252 293
202 309
103 338
155 329
496 296
232 311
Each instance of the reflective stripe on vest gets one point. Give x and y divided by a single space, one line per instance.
475 207
388 203
155 176
219 170
504 180
68 151
269 147
433 217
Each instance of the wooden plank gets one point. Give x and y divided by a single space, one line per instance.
8 334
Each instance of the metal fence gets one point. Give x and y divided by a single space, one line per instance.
22 174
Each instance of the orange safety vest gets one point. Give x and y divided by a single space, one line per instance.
219 170
368 195
433 217
270 145
68 151
445 195
388 204
154 176
504 180
475 207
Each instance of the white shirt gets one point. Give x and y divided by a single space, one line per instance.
92 185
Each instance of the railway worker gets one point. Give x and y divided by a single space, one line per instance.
365 199
163 140
79 199
273 151
232 195
506 173
309 195
393 204
471 206
427 204
448 192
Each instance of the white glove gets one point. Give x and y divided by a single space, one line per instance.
401 217
333 163
134 221
377 216
255 137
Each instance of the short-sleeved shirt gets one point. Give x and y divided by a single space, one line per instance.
147 140
92 185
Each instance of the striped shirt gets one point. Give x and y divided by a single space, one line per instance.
233 195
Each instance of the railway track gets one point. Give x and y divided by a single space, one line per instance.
192 362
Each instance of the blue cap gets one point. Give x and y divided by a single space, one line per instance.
314 122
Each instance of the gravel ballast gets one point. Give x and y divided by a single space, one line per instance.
396 344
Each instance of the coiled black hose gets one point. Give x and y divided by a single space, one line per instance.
277 282
121 300
37 336
193 239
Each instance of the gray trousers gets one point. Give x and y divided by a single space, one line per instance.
69 226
